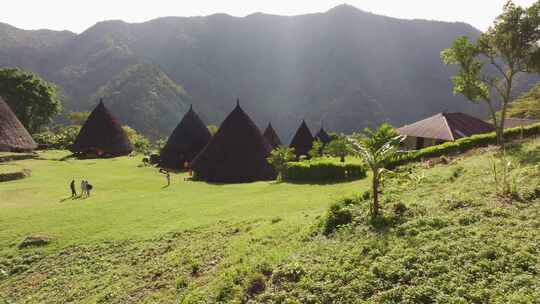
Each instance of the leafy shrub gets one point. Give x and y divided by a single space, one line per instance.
399 208
256 285
323 170
339 213
60 137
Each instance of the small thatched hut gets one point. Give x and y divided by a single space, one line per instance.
271 136
302 141
13 135
186 141
323 136
237 153
102 135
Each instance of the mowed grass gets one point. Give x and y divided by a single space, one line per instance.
132 202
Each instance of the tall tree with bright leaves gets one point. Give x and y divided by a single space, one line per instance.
34 100
489 68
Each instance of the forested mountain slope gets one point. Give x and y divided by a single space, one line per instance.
347 67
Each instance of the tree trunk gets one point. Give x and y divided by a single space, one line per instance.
342 159
375 208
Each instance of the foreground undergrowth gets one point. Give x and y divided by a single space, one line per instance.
445 236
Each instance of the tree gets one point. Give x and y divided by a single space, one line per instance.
279 157
317 149
376 150
78 118
140 143
32 99
490 67
339 147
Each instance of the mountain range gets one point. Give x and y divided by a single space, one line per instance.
346 68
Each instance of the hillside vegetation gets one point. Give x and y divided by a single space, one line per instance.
527 105
445 236
283 69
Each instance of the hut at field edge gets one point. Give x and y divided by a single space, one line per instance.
102 135
302 141
271 136
13 135
236 154
185 142
323 136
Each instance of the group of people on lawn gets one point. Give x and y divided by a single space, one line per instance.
86 187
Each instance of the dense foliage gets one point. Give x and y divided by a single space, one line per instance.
527 105
58 137
33 100
323 170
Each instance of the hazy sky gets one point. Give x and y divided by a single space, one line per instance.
78 15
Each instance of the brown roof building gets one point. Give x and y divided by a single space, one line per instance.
442 127
271 136
323 136
236 154
102 135
302 141
13 135
186 141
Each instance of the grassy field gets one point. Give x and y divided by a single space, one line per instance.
136 241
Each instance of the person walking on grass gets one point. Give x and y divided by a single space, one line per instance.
167 175
89 187
83 188
72 187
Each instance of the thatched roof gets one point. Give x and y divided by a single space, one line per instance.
237 153
302 141
271 136
446 126
13 136
186 141
323 136
102 132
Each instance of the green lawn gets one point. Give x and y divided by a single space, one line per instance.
135 241
131 202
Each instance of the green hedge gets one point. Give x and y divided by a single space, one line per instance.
464 144
323 170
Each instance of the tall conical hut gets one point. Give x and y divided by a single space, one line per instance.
323 136
271 136
186 141
302 141
13 135
236 154
102 135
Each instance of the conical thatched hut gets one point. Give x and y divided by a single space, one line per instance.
13 136
237 153
186 141
323 136
271 136
302 141
102 135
